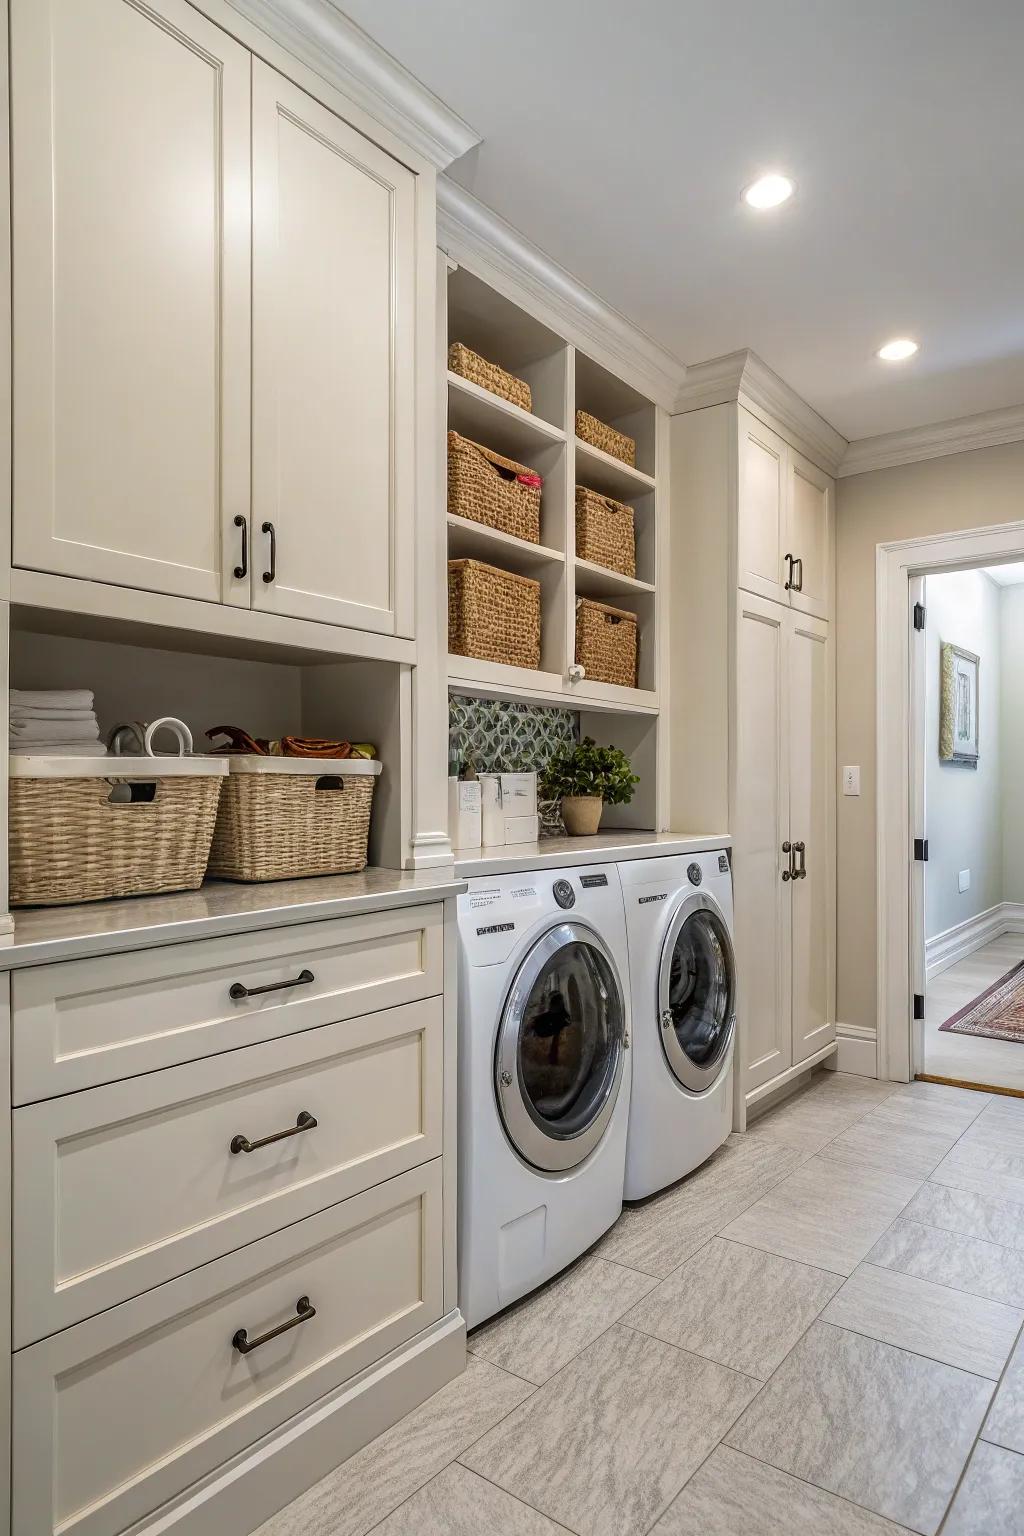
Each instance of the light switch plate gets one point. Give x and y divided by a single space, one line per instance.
964 880
851 780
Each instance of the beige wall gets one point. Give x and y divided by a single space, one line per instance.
964 490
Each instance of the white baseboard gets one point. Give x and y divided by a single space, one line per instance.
945 949
858 1050
239 1496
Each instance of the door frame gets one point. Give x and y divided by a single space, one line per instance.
899 761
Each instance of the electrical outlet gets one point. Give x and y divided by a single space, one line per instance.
963 880
851 780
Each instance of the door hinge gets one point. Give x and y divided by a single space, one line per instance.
919 615
918 1005
921 850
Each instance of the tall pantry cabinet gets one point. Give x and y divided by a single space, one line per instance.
214 323
753 553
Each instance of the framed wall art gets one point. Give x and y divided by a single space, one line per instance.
958 705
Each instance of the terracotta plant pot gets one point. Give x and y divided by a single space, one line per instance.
582 814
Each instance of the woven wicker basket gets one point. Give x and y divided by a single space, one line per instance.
599 435
470 365
70 842
493 614
493 490
284 817
606 642
604 531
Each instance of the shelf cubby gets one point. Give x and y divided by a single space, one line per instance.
501 332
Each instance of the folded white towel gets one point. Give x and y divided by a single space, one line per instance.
59 749
30 712
53 698
55 730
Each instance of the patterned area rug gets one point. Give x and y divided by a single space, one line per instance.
998 1013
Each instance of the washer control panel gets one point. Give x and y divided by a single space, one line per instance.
563 893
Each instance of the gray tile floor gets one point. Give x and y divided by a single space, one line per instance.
817 1334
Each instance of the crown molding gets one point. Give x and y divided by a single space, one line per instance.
471 233
742 376
962 435
316 32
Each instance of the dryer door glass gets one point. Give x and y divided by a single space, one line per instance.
697 1002
560 1048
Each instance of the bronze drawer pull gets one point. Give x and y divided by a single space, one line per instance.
242 570
800 873
240 990
303 1312
305 1122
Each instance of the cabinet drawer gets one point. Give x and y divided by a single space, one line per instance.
120 1413
85 1022
128 1185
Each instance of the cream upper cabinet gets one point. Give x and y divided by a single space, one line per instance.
333 365
131 254
761 825
762 508
811 799
809 507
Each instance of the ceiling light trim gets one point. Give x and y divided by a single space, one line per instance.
743 376
962 434
472 233
316 32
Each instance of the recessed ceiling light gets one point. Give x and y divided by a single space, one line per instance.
769 191
897 351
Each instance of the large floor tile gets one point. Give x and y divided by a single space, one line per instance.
708 1306
537 1337
962 1330
950 1258
607 1444
734 1495
1005 1422
879 1426
908 1133
380 1477
966 1211
458 1503
977 1166
990 1500
825 1214
657 1236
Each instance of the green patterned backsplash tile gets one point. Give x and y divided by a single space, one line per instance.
501 737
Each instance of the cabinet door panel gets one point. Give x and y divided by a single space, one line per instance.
762 510
811 788
809 535
762 900
333 335
131 241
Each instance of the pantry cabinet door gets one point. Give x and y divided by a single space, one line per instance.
812 789
809 506
131 237
333 364
761 547
762 899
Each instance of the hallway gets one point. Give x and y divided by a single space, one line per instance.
972 1058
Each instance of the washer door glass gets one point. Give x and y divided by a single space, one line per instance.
560 1048
697 1005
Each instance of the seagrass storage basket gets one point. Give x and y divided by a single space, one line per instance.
600 435
604 531
606 642
470 365
490 489
89 828
493 614
285 817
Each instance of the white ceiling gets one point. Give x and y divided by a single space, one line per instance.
1006 575
618 137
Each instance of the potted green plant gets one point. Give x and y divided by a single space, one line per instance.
586 778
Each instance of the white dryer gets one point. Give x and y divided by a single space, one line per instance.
544 1077
683 983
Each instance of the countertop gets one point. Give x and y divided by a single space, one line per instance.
46 934
565 852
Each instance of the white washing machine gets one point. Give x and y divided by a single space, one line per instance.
683 986
544 1077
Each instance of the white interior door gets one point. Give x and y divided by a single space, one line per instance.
333 363
918 817
809 503
131 247
761 822
811 819
762 509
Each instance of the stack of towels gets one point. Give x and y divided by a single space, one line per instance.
55 721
